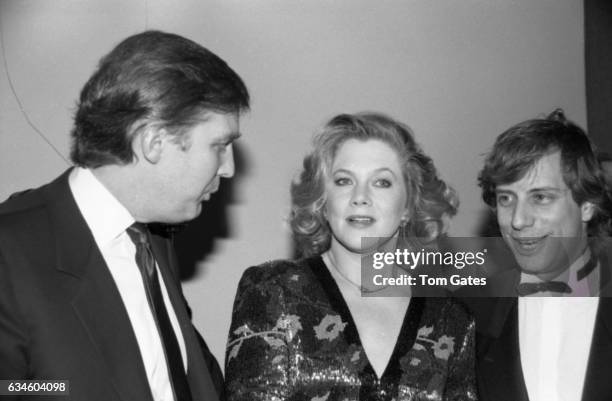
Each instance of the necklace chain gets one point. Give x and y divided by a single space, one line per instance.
361 288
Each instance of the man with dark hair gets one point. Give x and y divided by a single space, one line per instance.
88 293
548 191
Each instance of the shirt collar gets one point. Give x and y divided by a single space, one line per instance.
106 217
585 287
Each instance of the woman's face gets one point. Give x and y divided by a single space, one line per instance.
366 193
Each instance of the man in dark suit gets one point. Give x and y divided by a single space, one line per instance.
550 338
88 293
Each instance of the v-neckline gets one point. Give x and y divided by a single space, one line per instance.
407 333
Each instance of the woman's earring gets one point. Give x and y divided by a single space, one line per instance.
402 231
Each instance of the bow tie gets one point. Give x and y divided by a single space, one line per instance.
524 289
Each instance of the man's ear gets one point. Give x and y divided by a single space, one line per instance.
587 210
149 143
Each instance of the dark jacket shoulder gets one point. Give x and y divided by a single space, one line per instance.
25 217
33 200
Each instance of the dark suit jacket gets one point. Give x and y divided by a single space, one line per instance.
61 315
498 361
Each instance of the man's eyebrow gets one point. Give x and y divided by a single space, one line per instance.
553 189
232 136
531 190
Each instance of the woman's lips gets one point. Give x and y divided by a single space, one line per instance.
360 220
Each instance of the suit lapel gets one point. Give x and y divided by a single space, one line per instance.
199 378
605 285
499 364
499 369
96 302
99 306
597 383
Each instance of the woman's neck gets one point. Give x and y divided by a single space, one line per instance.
347 264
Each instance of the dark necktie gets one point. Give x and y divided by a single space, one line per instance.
524 289
146 263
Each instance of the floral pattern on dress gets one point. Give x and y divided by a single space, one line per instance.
292 338
329 328
282 333
431 354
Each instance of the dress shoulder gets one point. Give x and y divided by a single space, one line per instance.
271 286
280 272
273 268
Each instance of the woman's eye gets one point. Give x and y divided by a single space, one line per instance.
382 183
341 181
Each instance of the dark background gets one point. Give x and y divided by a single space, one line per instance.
598 66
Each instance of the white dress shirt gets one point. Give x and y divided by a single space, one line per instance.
108 220
555 336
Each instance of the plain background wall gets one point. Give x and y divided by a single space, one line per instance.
458 72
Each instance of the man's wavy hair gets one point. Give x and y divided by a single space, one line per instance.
150 79
518 149
429 198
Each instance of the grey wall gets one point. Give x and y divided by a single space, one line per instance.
458 72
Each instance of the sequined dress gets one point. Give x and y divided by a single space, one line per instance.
292 337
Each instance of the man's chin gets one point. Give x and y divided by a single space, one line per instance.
184 215
195 212
540 266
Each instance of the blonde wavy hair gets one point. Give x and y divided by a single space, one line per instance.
429 198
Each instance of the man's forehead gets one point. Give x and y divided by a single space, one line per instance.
546 173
